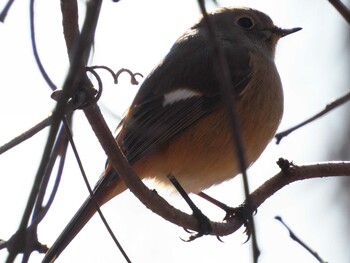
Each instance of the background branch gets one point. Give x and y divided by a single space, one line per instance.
331 106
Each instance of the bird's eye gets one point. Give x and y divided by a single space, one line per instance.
245 22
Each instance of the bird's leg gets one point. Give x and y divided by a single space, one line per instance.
203 221
216 202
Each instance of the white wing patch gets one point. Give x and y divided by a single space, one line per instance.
179 95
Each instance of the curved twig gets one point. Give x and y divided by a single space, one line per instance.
116 75
35 50
132 75
99 82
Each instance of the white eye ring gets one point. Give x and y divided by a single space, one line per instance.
245 22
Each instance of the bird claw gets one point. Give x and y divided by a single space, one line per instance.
243 213
219 238
192 237
204 227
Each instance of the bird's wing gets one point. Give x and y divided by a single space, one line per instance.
168 103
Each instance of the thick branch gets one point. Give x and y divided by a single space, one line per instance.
297 173
158 205
70 24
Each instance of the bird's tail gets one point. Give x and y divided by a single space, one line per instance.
108 187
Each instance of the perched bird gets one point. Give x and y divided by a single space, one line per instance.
177 123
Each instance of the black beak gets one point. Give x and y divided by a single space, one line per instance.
285 32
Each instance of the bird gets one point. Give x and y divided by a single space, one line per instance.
177 123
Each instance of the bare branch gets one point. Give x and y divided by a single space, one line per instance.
69 9
158 205
342 9
82 170
331 106
25 135
296 173
6 9
59 150
299 241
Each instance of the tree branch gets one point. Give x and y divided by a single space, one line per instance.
19 242
158 205
329 107
342 9
6 9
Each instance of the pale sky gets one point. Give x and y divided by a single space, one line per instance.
137 34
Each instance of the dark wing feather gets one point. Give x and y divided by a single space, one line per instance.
150 124
153 124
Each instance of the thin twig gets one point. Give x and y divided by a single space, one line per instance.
59 150
40 211
6 9
132 75
49 202
86 181
331 106
39 126
224 77
299 241
342 9
116 75
26 135
99 82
